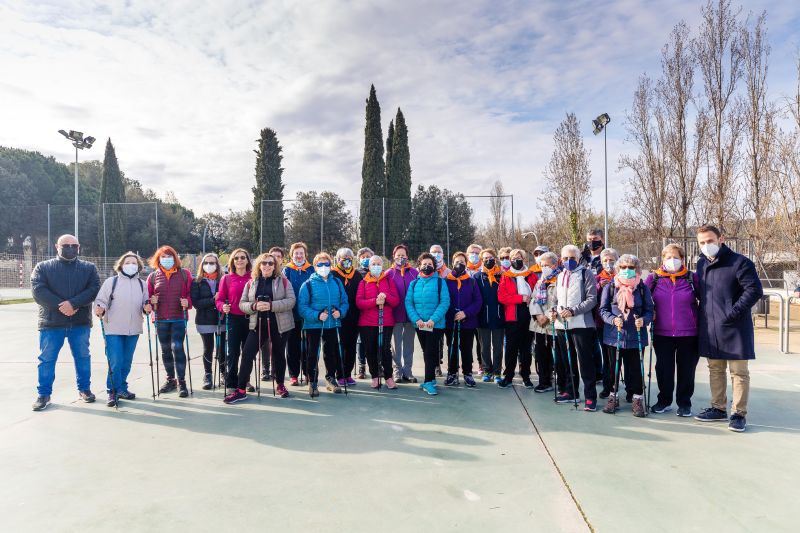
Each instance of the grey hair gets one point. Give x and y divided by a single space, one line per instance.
436 246
549 257
362 251
343 252
375 258
572 250
629 259
609 252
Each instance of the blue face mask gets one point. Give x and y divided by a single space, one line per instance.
347 263
365 262
167 262
505 263
571 264
627 273
375 270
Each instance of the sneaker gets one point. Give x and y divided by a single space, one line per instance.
294 382
351 382
235 397
469 381
528 384
41 403
503 383
684 411
397 375
604 394
342 382
250 387
390 384
542 388
712 414
661 408
362 372
207 382
411 379
112 400
430 388
266 376
376 384
438 371
332 386
87 396
450 380
313 390
126 395
612 405
738 423
183 391
590 405
498 377
168 386
638 406
566 397
487 378
280 390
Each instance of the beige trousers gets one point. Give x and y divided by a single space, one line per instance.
740 384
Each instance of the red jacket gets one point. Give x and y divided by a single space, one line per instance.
169 292
508 296
365 301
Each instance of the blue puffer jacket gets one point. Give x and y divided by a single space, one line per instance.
319 294
428 299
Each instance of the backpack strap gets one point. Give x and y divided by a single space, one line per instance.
113 288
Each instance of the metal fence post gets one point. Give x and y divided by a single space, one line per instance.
321 221
447 224
105 242
49 237
156 225
383 205
261 228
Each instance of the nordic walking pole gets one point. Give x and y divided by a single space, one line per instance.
457 345
155 324
650 370
380 344
215 366
617 360
260 346
303 349
341 359
569 362
269 343
227 349
188 357
555 376
150 349
641 360
108 360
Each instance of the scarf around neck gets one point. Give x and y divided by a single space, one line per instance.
492 274
660 272
458 279
624 296
347 277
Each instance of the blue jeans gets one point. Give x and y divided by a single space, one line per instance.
50 343
170 337
119 350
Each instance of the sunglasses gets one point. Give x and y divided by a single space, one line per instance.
267 263
210 263
626 267
71 246
240 258
326 264
502 257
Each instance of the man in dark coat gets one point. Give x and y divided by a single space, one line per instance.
64 288
728 289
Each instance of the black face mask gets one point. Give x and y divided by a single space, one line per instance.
427 270
595 245
489 263
459 269
516 264
68 252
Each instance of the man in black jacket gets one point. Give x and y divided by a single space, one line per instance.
728 289
64 288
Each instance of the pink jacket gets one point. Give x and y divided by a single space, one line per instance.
365 301
231 287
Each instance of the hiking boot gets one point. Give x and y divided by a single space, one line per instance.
313 390
469 381
712 414
362 371
450 380
294 382
661 408
430 388
207 382
41 403
738 423
438 371
332 385
684 411
487 378
250 387
390 384
503 383
566 397
350 382
527 382
280 390
183 391
638 406
542 388
612 404
235 397
112 400
604 394
87 396
590 405
376 384
397 374
168 386
126 395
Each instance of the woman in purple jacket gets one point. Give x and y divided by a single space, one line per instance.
675 330
402 274
461 320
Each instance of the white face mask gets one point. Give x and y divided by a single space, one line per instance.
323 271
673 264
710 250
299 263
208 269
130 269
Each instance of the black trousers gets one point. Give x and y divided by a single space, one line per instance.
580 353
209 346
466 339
294 348
251 347
518 348
543 357
430 342
609 354
597 354
632 369
348 334
238 329
672 352
369 340
324 341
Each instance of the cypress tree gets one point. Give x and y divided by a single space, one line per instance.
398 182
112 191
269 186
373 177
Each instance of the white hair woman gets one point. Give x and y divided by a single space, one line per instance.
542 300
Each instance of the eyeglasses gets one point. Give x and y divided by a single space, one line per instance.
267 263
326 264
240 258
502 257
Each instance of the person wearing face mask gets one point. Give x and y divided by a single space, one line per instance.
438 255
120 304
402 274
207 318
64 288
728 287
491 323
364 255
537 252
608 259
169 287
675 329
465 304
375 292
427 301
626 306
346 272
504 258
323 303
297 271
227 299
590 257
542 300
474 258
516 288
576 298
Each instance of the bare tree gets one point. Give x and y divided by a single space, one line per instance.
497 232
788 167
568 177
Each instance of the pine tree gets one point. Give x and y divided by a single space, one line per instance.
373 177
398 184
112 192
269 186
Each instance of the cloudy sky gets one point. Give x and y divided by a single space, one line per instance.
183 88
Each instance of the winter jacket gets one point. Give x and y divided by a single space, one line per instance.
508 295
123 304
728 288
537 309
283 303
319 294
577 291
230 290
365 299
428 299
351 288
467 299
170 291
57 280
642 307
298 276
675 305
204 303
491 314
401 281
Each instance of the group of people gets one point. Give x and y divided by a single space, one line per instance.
577 316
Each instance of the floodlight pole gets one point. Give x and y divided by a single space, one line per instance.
76 190
605 161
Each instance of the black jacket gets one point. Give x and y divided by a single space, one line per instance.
203 302
351 318
56 280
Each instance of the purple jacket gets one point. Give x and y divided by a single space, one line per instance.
467 299
675 306
402 282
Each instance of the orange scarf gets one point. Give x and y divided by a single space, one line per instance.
213 275
475 267
535 268
169 272
681 273
347 277
369 278
303 268
605 277
491 273
459 279
441 269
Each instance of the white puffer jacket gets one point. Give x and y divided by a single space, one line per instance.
576 291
